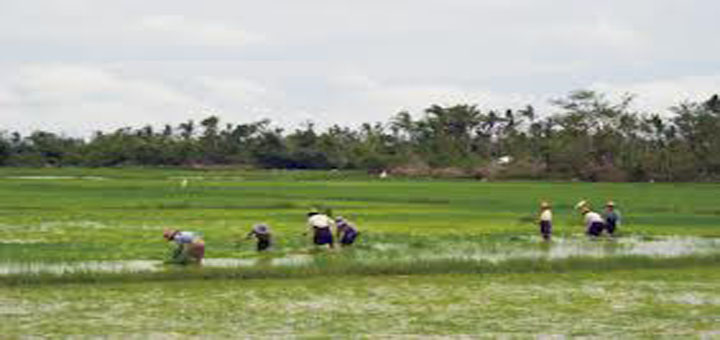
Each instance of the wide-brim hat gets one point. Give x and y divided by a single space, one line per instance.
610 204
261 228
545 205
168 233
581 204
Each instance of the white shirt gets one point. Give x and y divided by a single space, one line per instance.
591 218
320 221
185 237
546 215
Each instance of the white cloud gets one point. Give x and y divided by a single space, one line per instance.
598 35
82 65
659 95
353 81
358 102
80 99
178 29
52 84
241 90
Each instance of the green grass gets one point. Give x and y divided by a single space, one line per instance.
423 264
677 303
121 216
331 266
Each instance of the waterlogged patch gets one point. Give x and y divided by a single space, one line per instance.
8 268
388 246
291 260
136 266
93 178
18 241
73 224
13 308
52 226
671 246
559 248
398 254
694 299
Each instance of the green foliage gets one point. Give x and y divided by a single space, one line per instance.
589 137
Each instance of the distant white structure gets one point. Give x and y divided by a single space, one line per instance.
504 160
383 174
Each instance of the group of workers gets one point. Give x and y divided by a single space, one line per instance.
595 223
191 247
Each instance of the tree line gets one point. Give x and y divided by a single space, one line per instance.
587 137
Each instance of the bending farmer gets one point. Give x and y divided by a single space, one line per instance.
190 246
320 225
345 231
262 234
545 221
612 217
593 221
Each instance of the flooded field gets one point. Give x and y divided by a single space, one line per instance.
135 266
82 255
493 252
94 178
644 303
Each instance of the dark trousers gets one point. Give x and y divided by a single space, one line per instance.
610 226
545 229
322 236
348 238
596 229
263 243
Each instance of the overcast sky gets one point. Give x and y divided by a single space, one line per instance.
75 66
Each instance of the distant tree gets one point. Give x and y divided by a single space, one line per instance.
698 125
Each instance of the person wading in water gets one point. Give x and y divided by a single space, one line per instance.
190 246
263 235
320 225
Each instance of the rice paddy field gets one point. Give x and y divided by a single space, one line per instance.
81 255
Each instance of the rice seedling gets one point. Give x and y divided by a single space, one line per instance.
434 257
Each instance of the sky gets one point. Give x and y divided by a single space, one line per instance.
77 66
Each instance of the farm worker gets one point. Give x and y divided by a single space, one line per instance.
612 217
190 246
545 220
321 225
346 232
593 221
262 233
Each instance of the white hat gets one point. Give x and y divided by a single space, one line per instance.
581 204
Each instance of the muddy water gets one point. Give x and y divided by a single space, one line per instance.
561 248
56 177
527 248
134 266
